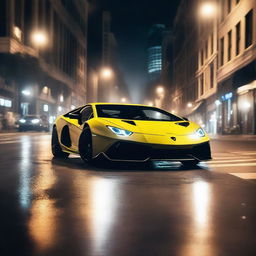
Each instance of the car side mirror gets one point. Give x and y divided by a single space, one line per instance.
185 118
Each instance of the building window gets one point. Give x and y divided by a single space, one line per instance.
222 51
5 103
238 37
155 59
229 45
248 29
206 50
211 75
202 57
222 9
202 84
212 42
3 18
229 5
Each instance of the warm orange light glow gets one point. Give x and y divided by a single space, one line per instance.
207 9
106 73
189 105
160 90
39 38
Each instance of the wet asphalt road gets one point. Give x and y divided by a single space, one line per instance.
63 207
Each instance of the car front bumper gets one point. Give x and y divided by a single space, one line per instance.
141 152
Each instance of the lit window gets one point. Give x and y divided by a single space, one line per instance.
46 108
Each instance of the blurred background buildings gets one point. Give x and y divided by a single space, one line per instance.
43 56
202 67
214 77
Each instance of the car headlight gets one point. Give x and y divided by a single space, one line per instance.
35 121
22 121
200 132
119 132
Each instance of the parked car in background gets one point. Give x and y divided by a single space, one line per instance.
34 123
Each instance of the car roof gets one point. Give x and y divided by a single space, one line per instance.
125 104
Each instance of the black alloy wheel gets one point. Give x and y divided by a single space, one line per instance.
56 148
85 145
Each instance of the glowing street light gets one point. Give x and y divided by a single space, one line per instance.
123 100
106 73
189 105
39 38
26 92
160 90
207 9
246 105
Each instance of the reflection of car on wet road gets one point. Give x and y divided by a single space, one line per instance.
34 123
122 132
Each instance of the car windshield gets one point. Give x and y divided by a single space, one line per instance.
135 113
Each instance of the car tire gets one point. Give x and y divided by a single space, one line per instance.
56 148
190 164
85 145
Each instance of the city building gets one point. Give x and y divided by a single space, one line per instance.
215 66
159 65
236 75
184 87
105 79
43 56
154 51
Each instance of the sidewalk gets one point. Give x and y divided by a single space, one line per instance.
237 137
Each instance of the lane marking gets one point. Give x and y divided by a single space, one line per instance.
231 165
10 142
246 176
231 157
245 152
233 160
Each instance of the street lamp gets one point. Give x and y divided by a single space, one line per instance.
160 90
207 9
123 100
39 38
189 105
26 92
106 73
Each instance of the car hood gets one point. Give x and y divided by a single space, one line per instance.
153 127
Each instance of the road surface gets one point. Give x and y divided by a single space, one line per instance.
63 207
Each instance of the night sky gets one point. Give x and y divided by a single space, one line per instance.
131 21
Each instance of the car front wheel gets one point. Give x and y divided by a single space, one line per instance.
85 145
56 148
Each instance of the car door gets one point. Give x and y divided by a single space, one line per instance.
76 128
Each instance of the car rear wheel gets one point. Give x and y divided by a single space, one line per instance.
85 145
190 164
56 148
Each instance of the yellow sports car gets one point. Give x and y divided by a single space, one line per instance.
129 132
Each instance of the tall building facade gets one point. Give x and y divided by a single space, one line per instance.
222 97
154 51
43 52
184 87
